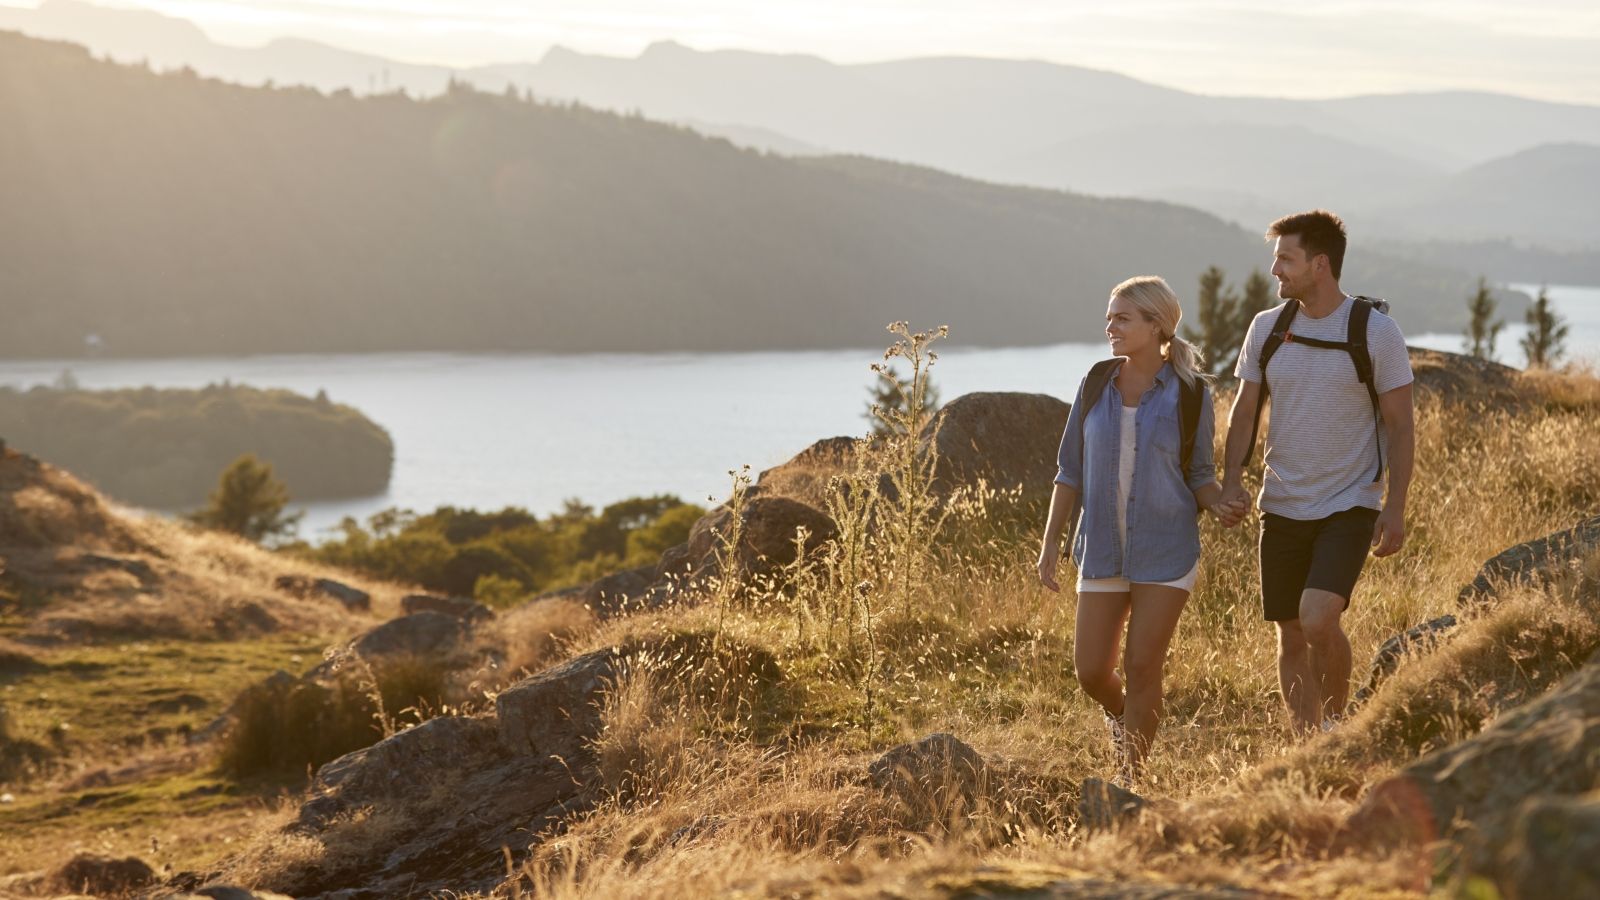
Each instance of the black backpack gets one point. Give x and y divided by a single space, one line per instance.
1189 397
1355 344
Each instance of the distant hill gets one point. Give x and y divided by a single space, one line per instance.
1545 194
1012 121
165 448
172 215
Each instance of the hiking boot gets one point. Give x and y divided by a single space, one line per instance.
1119 733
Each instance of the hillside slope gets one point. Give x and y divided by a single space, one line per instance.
171 215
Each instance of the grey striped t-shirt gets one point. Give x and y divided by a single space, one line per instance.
1321 451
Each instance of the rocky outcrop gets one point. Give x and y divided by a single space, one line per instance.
1458 379
1472 791
1416 639
91 873
428 635
805 477
1537 562
1103 806
1006 439
1551 853
934 772
306 588
460 607
555 713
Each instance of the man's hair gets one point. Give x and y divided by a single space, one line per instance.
1319 231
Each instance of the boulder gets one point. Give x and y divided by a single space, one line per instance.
1007 439
767 541
805 477
556 713
91 873
1103 805
305 587
423 635
400 767
1537 562
1416 639
460 607
226 892
932 772
1470 791
618 592
1458 379
1551 853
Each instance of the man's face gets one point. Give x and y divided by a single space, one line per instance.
1295 273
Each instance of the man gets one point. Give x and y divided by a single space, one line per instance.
1322 497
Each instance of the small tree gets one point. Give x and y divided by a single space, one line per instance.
248 501
1223 317
1482 327
887 396
1546 333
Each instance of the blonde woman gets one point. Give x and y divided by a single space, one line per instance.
1137 544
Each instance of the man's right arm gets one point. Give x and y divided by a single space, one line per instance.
1241 422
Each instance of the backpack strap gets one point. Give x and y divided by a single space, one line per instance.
1089 393
1275 339
1361 356
1190 396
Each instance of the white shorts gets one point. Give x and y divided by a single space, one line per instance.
1123 585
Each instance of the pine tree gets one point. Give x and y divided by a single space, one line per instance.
248 501
887 395
1546 333
1223 317
1482 328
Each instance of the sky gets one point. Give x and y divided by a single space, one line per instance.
1547 49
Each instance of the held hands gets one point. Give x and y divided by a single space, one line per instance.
1231 508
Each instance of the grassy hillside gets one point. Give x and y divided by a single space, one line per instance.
241 220
710 779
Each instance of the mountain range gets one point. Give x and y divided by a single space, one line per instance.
1462 166
170 214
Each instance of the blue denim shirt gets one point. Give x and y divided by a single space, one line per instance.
1163 530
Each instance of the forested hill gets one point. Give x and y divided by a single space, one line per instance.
169 214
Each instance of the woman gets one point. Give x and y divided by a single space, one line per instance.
1138 544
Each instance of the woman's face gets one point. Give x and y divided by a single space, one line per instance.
1127 330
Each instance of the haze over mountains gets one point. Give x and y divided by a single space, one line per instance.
174 215
1458 166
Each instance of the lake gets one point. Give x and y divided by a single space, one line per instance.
530 430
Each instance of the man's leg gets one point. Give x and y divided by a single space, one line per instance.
1300 687
1320 612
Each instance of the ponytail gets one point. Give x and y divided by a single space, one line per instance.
1186 360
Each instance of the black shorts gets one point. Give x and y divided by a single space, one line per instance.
1320 554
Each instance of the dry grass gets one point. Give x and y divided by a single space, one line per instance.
733 761
982 652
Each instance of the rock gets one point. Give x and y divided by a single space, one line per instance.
618 592
306 588
1103 805
226 892
424 635
1417 639
1458 379
91 873
460 607
1007 439
767 541
556 713
805 477
399 767
1547 747
931 772
1536 562
1551 853
138 568
245 618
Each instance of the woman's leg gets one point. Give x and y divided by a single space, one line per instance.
1095 645
1154 617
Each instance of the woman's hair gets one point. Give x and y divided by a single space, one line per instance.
1155 300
